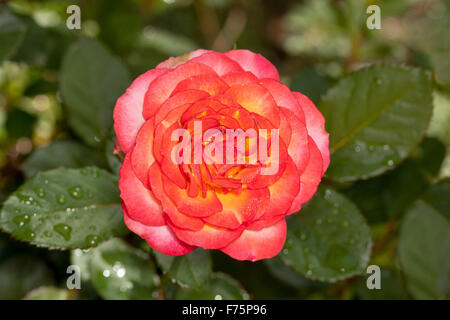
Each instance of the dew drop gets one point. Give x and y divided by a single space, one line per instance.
22 220
390 163
61 198
76 192
64 230
48 233
40 192
92 240
218 297
106 273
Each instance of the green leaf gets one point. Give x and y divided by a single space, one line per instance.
65 208
12 31
423 252
22 273
91 81
375 118
119 271
328 240
191 270
220 286
438 197
67 154
50 293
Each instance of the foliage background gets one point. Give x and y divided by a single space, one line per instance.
384 200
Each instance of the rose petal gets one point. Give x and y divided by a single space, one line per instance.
160 238
310 178
140 201
161 89
142 154
255 63
315 124
209 237
127 116
220 63
256 245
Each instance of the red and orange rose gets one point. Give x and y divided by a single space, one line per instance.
233 207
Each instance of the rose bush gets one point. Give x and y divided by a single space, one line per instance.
230 207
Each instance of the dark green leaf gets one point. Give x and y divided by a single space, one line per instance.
22 273
12 31
91 81
191 270
220 286
438 197
328 240
65 208
375 118
423 251
119 271
113 160
67 154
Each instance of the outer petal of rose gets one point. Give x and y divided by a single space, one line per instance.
178 219
255 63
298 147
257 99
204 82
240 78
161 89
128 110
142 154
140 201
256 245
220 63
209 237
283 192
239 208
283 97
160 238
310 179
315 123
174 62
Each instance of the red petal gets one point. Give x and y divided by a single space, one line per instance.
298 146
205 82
160 238
284 97
310 179
128 117
240 78
140 201
179 219
142 154
209 237
256 245
255 63
176 100
220 63
257 99
161 89
194 207
315 123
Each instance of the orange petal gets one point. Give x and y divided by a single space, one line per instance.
256 245
142 155
257 99
204 82
220 63
209 237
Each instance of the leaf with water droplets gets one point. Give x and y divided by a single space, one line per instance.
191 270
118 271
220 286
67 154
65 208
375 118
91 81
328 240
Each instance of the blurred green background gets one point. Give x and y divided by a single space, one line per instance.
313 43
